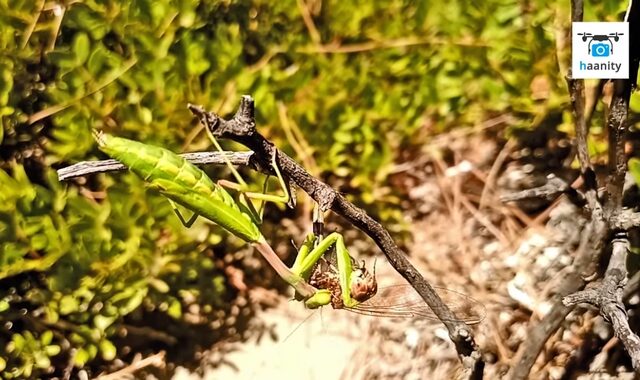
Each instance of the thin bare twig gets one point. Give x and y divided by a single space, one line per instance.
551 190
32 25
156 360
308 22
199 158
617 128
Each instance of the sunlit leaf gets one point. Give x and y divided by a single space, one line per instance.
108 350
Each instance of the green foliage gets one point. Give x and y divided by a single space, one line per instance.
634 169
365 85
35 353
103 261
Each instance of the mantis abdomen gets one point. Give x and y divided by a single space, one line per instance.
182 182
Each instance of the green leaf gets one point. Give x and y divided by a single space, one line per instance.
65 59
52 350
68 304
6 85
81 47
41 360
175 309
634 169
101 322
634 102
134 301
159 285
82 357
46 337
18 343
146 116
108 350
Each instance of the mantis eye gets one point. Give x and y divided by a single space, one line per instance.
363 284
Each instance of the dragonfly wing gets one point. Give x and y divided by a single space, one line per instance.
402 301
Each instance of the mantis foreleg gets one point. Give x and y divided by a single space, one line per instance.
356 283
307 259
241 186
186 223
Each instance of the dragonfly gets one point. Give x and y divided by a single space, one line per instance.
395 301
346 285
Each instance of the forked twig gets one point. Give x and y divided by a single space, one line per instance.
607 296
607 216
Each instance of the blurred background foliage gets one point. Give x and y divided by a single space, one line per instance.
348 88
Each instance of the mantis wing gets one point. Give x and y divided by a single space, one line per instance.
402 301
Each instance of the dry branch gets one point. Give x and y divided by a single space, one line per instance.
607 296
198 158
241 128
607 217
551 190
625 220
156 360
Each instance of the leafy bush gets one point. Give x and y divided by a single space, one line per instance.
102 262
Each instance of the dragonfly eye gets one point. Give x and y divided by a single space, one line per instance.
363 285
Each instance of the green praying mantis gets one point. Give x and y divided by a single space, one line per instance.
346 285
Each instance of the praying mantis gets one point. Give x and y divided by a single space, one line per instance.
348 286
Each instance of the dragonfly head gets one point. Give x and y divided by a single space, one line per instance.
363 284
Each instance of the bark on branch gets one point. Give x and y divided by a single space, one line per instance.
607 296
554 187
198 158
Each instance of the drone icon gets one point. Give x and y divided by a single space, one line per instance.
601 49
